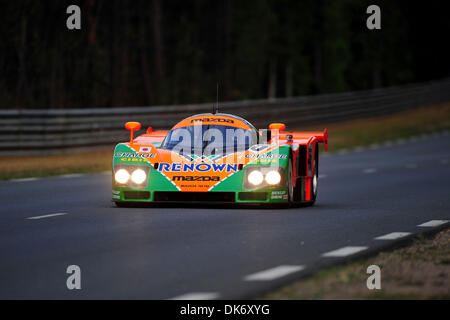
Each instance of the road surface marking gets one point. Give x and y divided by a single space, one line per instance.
321 176
343 252
274 273
411 166
74 175
433 223
198 296
359 149
393 236
47 216
400 141
343 151
25 179
374 146
370 170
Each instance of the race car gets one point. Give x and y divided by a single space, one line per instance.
217 158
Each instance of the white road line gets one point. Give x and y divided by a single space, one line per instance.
433 223
273 273
47 216
343 252
393 236
321 176
370 170
74 175
197 296
24 179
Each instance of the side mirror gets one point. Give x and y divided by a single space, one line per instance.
132 126
277 126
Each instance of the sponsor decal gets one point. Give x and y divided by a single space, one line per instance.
266 156
266 161
196 178
145 149
134 155
212 120
200 167
278 195
133 159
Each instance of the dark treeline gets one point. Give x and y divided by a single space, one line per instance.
130 53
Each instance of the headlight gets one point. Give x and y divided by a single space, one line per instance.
138 176
122 176
273 177
255 177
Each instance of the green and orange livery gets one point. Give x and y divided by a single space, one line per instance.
191 163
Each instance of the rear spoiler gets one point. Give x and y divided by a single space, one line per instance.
323 137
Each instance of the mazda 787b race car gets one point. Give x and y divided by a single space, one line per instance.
217 158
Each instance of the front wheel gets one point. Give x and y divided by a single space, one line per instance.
290 183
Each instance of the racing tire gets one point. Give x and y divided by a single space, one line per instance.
314 182
291 189
295 200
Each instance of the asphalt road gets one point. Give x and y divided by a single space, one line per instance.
214 252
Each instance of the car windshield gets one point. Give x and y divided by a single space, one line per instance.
209 140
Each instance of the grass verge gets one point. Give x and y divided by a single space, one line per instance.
343 135
420 271
41 166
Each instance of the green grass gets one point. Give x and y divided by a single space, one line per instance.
42 166
364 132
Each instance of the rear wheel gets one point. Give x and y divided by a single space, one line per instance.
315 179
